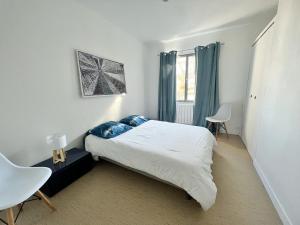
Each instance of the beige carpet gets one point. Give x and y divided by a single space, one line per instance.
111 195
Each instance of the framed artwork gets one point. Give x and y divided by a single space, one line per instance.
100 76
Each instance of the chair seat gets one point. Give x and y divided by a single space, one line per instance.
223 115
216 119
20 183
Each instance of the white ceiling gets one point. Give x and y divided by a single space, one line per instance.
155 20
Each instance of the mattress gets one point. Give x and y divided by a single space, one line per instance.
176 153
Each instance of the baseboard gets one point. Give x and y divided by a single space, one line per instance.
278 206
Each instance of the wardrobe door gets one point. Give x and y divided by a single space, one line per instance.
259 127
260 52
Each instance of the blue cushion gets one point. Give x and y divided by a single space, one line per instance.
110 129
134 120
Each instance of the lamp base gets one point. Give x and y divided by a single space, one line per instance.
59 155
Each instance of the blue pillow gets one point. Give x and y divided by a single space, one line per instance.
134 120
109 129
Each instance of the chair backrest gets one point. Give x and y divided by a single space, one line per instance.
224 112
6 167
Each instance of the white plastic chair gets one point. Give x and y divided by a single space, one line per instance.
223 115
17 184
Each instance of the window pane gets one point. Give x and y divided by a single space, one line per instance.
191 79
180 78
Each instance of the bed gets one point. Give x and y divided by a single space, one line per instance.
175 153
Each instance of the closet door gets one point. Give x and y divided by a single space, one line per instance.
261 51
259 127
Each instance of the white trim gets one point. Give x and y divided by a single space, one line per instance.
278 206
272 22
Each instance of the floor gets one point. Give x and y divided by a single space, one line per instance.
111 195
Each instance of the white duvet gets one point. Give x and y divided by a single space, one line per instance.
177 153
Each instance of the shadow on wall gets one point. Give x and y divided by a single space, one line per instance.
77 142
113 111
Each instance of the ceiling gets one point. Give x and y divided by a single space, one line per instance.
156 20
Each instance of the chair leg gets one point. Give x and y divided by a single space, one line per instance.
209 125
217 130
20 206
10 216
46 200
226 130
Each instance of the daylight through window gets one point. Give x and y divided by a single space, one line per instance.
185 78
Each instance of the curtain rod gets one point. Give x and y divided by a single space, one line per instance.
189 49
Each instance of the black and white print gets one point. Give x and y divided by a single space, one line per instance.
99 76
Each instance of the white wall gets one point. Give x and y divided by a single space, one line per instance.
277 157
39 88
235 57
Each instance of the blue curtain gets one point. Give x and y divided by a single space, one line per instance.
207 83
167 87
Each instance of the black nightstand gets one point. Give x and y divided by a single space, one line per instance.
78 163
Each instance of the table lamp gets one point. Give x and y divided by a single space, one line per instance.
57 143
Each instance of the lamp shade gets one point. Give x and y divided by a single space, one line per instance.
57 141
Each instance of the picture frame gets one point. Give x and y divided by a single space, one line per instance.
99 76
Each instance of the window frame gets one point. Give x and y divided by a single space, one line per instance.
186 77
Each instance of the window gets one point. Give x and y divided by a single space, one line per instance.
185 78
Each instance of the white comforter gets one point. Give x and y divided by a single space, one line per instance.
177 153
